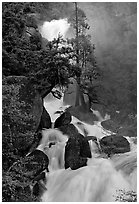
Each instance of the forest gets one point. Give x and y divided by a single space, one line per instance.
32 66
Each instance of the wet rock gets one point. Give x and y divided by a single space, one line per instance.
114 144
45 121
69 130
77 150
93 138
63 120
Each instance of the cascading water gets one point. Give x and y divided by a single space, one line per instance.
101 179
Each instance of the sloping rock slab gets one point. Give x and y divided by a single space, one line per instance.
86 116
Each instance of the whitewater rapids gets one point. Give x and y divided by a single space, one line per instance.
100 181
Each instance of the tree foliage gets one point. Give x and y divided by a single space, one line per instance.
23 52
24 55
82 43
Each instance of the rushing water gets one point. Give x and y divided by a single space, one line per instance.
100 180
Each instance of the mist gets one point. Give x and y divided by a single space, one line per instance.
52 29
113 28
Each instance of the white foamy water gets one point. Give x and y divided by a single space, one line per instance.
97 182
101 180
53 104
93 130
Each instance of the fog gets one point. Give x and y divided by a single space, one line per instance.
52 29
113 28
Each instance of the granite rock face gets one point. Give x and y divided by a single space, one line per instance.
74 97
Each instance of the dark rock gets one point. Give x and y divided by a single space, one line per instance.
39 187
86 116
45 121
59 112
64 119
114 144
56 94
77 150
69 130
93 138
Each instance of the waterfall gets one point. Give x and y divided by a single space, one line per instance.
97 182
101 180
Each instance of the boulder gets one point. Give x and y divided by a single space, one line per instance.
63 120
69 130
22 111
77 150
114 144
